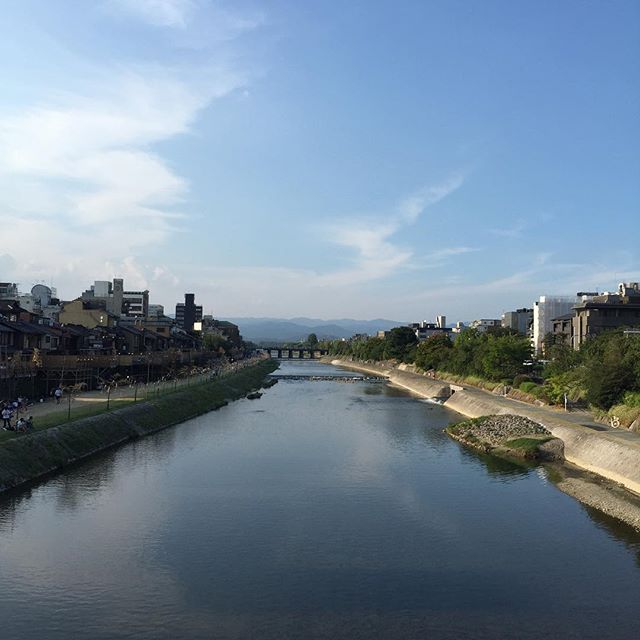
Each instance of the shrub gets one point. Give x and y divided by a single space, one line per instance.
631 399
520 379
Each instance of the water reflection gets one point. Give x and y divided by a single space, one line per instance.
321 510
496 466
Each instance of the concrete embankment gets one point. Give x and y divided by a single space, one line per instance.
613 454
29 457
420 385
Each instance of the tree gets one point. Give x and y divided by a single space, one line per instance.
400 342
503 357
562 356
312 339
434 352
464 359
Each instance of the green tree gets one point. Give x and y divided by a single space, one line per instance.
503 356
464 359
434 352
400 343
312 340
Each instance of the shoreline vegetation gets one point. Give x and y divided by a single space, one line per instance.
603 376
33 456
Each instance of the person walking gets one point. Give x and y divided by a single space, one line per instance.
58 394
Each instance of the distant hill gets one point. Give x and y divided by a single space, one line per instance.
296 329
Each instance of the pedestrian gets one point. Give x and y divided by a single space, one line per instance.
58 394
6 419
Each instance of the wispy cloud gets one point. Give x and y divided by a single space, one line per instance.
412 207
376 255
514 231
160 13
193 24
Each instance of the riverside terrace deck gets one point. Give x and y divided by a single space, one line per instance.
295 353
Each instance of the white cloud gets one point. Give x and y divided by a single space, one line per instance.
80 190
159 13
412 207
376 256
515 231
191 24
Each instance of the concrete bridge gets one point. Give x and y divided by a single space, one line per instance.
295 353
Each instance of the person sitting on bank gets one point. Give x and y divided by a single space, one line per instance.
25 424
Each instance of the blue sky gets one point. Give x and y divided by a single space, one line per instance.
332 159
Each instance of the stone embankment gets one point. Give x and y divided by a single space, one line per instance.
31 456
611 453
508 435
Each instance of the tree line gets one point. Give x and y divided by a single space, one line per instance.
603 373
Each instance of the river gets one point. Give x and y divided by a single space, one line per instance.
323 510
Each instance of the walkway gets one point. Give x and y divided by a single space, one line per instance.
88 399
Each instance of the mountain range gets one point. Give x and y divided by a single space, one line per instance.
263 330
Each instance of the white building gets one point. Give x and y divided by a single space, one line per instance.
544 311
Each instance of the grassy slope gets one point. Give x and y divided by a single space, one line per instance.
25 457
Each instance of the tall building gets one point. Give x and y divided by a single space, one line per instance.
544 311
188 312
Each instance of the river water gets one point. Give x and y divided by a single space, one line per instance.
323 510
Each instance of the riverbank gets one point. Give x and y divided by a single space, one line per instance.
32 456
612 454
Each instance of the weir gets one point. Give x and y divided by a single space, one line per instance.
336 378
295 353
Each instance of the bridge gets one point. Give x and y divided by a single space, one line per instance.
295 353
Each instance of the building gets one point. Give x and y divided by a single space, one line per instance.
155 311
545 309
188 312
135 304
424 329
561 328
485 324
120 303
87 313
8 291
519 320
227 330
605 312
